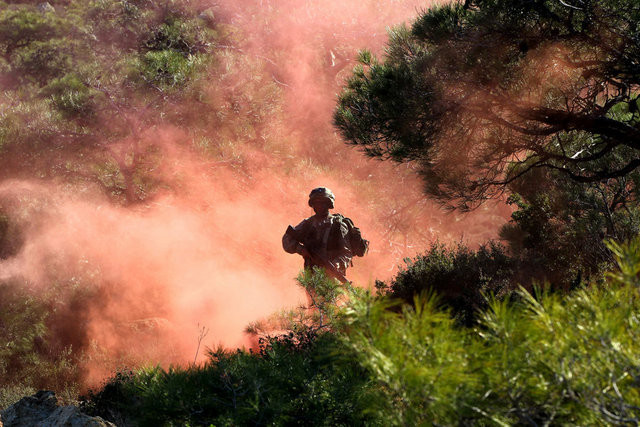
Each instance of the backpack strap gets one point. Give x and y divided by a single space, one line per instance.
357 244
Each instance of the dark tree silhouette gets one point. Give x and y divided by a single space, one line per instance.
479 94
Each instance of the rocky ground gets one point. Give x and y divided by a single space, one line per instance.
42 410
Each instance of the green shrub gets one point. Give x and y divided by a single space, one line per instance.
41 61
28 356
12 393
558 228
186 37
173 51
30 43
70 96
23 24
532 361
292 380
418 360
166 68
458 275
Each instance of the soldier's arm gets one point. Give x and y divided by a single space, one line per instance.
291 239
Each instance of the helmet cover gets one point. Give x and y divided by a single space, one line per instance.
321 193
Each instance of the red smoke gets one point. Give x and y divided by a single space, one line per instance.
206 251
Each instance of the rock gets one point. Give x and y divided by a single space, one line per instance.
42 409
31 409
46 7
208 16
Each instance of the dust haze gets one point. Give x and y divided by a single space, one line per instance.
137 283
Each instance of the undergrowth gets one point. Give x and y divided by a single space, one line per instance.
536 359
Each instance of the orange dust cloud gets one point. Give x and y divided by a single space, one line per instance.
186 265
133 284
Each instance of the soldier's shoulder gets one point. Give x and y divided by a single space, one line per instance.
306 222
302 223
342 218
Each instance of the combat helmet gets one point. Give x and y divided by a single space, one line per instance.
322 193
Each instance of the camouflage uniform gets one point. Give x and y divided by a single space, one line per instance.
332 237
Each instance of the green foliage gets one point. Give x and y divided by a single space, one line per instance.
22 25
42 61
538 359
627 257
459 276
440 23
419 360
71 96
557 231
187 37
68 71
174 50
476 86
388 89
167 68
292 380
325 295
28 357
535 360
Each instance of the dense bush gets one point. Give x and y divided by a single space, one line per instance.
71 96
535 361
42 61
558 229
295 379
459 276
166 68
555 239
68 70
29 358
541 359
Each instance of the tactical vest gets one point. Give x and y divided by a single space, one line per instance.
340 238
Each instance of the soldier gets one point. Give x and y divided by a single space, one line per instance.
325 240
